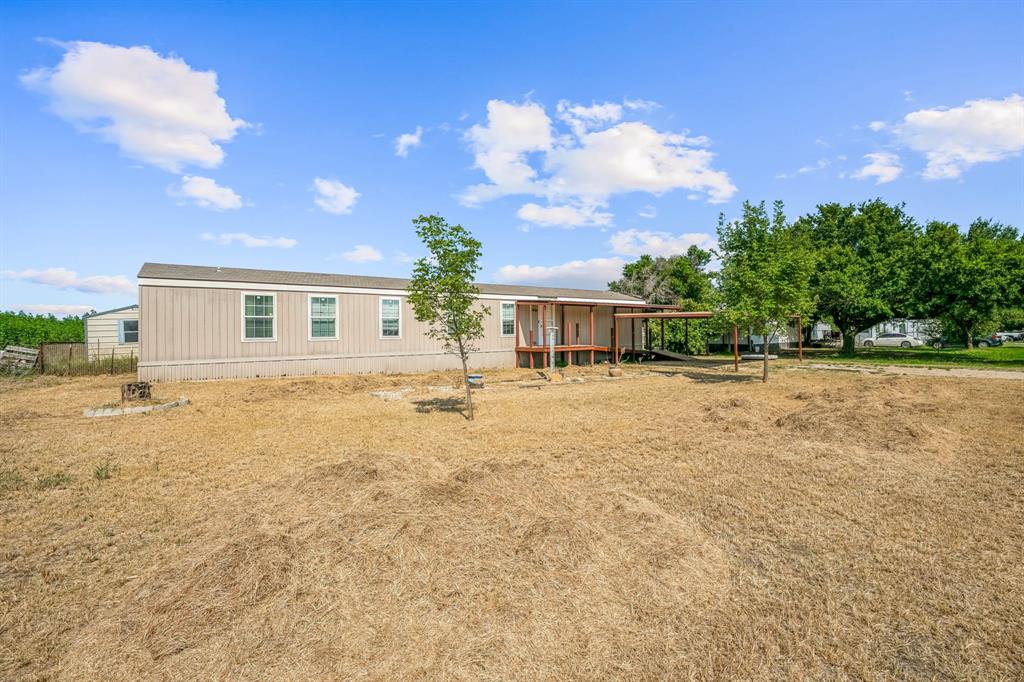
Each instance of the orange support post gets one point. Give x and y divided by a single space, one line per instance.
591 334
735 348
615 328
544 334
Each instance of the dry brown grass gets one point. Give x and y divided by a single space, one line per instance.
826 525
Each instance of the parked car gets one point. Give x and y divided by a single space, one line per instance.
979 342
894 339
1010 336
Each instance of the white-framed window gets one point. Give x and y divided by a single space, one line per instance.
127 331
323 317
390 317
259 316
508 318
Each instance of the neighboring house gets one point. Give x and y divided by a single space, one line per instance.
112 332
788 338
214 323
921 329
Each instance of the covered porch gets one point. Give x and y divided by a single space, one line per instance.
585 332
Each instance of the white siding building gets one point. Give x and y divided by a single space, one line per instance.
112 332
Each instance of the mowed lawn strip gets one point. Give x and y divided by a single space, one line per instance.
1007 356
690 523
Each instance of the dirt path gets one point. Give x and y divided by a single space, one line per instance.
959 372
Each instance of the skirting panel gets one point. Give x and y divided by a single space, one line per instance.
285 367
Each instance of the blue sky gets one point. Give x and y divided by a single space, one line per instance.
568 137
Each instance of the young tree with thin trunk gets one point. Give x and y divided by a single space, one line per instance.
766 267
442 293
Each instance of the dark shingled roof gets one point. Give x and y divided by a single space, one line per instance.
253 276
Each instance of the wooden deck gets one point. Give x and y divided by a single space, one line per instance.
568 349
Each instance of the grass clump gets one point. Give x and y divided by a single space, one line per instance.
11 479
103 471
60 479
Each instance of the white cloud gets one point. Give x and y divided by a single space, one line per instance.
334 197
821 164
156 109
582 118
640 104
406 141
648 212
954 139
877 125
883 166
633 157
563 216
403 257
56 309
635 242
362 253
207 193
520 154
62 278
595 272
249 241
500 149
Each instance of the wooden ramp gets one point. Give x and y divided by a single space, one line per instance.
671 355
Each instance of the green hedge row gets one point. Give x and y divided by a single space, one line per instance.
23 329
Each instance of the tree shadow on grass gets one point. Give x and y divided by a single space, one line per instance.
454 405
718 377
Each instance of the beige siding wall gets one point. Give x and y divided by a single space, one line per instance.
196 333
102 337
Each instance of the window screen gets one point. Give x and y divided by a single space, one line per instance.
390 317
323 317
259 316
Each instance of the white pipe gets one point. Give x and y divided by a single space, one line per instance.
552 329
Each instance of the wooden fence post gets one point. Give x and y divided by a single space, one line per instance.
111 362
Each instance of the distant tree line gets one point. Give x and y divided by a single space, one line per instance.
852 266
23 329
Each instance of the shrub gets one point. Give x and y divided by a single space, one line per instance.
22 329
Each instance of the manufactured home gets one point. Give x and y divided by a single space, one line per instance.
112 332
200 322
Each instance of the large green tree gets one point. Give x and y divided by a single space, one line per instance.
965 279
681 280
864 260
442 292
766 266
667 280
